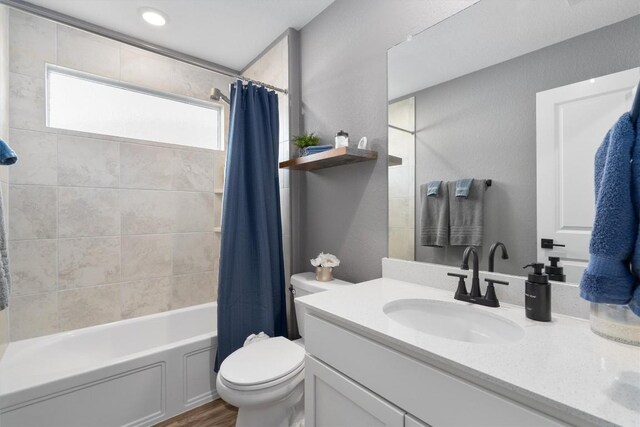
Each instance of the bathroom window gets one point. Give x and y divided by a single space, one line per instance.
87 103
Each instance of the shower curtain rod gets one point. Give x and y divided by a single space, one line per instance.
61 18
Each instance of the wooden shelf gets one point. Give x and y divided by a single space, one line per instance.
330 158
394 161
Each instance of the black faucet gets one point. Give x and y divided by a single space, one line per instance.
475 280
475 297
492 254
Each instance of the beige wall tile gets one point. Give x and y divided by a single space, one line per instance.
38 154
32 212
273 66
192 289
146 296
26 109
147 211
32 43
4 133
87 52
4 330
87 212
193 170
148 70
193 252
401 212
84 307
146 256
220 158
194 212
153 71
401 243
33 266
88 262
88 162
33 316
144 166
197 83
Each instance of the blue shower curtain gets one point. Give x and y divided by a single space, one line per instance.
251 285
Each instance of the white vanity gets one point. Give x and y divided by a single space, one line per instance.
375 357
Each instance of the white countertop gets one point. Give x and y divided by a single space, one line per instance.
560 364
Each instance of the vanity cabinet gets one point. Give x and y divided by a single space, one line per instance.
352 380
334 400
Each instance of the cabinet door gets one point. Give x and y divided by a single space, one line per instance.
410 421
333 400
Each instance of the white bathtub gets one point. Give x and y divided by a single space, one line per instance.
135 372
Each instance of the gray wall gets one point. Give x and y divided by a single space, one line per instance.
343 210
483 125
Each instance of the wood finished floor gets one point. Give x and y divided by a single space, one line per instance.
214 414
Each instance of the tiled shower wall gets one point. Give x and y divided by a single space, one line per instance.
402 180
104 228
4 133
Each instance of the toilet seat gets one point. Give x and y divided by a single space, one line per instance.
262 365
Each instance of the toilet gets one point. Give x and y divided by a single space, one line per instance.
265 379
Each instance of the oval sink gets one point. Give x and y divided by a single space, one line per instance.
453 321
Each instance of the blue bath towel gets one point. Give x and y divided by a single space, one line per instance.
608 278
7 155
634 304
463 186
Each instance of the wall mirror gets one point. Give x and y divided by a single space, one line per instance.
522 96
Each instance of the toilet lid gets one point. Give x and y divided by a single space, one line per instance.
262 362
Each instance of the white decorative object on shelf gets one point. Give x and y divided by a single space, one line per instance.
363 144
324 264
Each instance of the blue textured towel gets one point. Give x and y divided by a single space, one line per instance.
608 278
634 304
314 149
433 187
462 187
7 155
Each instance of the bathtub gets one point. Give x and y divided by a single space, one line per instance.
134 372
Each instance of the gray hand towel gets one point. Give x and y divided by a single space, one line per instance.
466 218
434 216
5 277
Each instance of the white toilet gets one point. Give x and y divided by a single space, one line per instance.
265 380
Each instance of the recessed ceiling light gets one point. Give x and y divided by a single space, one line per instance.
153 16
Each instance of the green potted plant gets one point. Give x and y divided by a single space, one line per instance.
305 140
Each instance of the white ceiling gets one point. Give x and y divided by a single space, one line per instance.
227 32
494 31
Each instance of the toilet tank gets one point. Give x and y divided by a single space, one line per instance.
306 284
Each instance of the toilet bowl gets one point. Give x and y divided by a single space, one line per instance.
265 380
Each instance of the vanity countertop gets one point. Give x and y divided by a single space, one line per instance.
560 364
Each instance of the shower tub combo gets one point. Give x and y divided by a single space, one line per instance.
134 372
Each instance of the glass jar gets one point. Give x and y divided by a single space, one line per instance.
615 322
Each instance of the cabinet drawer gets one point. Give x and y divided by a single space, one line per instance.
333 400
434 396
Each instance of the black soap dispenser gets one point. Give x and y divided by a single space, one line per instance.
554 271
537 293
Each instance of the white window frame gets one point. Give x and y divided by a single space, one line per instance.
51 68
